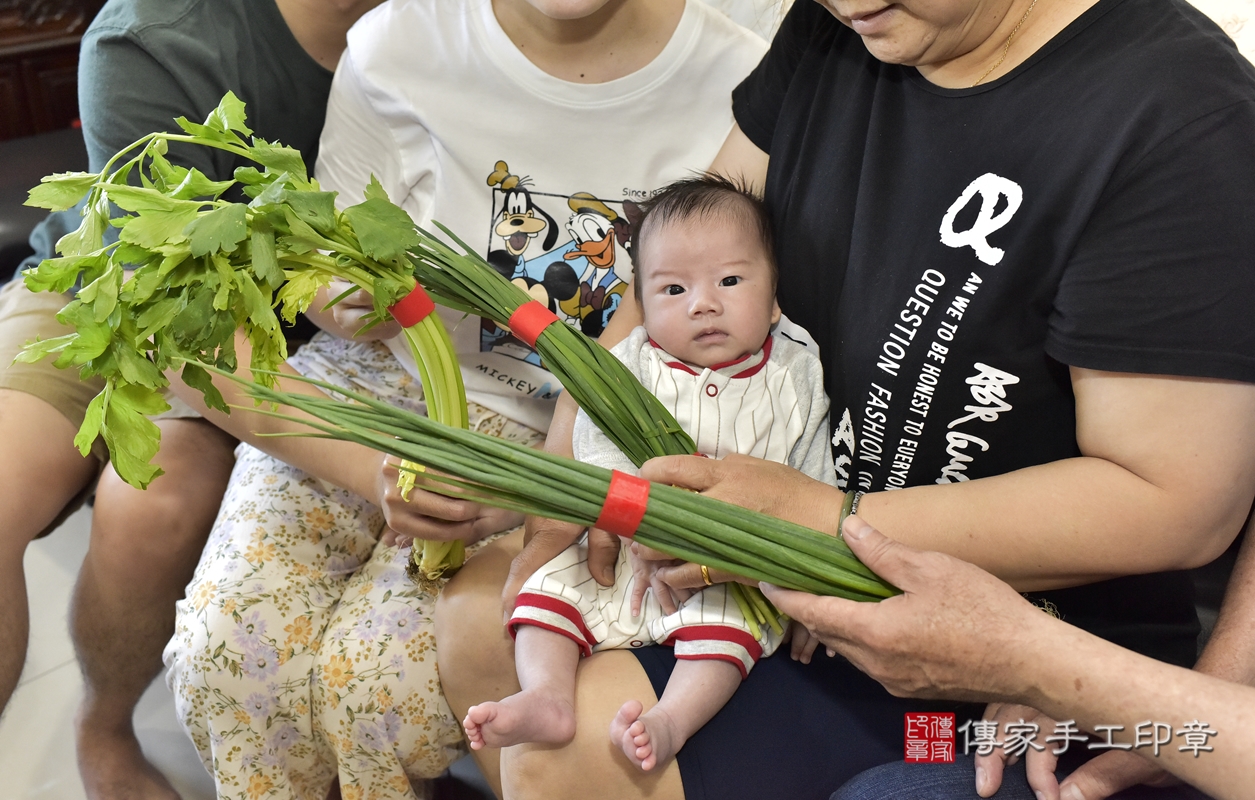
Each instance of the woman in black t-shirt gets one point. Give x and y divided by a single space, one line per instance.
1020 234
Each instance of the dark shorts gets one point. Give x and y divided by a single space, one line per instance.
792 730
957 781
802 731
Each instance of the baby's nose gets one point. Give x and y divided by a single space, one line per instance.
705 303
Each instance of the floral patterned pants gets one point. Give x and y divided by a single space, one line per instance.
303 651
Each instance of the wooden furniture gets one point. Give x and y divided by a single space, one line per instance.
39 63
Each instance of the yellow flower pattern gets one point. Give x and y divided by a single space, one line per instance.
337 673
303 651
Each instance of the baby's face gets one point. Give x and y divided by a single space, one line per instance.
706 290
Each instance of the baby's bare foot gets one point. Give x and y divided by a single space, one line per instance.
647 739
529 716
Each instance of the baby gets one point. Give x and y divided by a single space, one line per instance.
705 282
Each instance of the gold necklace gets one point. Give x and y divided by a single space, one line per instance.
1007 47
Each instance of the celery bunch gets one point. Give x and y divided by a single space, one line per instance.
190 269
683 524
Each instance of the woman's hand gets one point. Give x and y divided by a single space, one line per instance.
1113 772
1039 763
766 486
545 539
346 318
427 515
921 643
774 489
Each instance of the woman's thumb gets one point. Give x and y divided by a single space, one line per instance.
882 555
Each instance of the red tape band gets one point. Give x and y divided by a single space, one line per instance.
625 504
528 320
413 308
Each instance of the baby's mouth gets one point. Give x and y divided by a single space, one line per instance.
710 336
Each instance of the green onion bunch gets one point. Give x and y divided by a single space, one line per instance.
678 522
608 392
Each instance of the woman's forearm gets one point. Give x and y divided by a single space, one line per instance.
347 465
1060 524
1230 652
1158 488
1073 675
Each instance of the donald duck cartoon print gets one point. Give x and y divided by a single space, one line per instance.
598 233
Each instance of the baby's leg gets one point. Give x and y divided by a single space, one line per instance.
545 710
698 688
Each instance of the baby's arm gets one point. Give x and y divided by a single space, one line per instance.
588 443
591 446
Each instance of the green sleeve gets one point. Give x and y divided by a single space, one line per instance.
126 90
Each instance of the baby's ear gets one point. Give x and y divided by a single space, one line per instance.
775 312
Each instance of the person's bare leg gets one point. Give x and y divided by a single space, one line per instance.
695 693
591 762
144 548
474 652
40 472
544 711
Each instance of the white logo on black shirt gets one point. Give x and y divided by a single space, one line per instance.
989 389
991 187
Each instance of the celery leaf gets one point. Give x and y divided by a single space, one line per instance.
61 191
221 229
384 230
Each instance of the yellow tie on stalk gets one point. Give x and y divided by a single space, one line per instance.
189 269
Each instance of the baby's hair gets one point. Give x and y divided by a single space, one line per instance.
703 196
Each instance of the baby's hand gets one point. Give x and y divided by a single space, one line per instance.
643 576
804 642
645 564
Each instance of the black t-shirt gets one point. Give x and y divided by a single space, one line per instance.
952 251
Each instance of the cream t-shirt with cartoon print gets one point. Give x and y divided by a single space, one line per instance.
539 175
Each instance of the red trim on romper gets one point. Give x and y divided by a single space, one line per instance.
585 650
754 370
680 365
719 633
732 363
556 605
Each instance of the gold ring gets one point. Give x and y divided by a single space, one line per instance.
706 575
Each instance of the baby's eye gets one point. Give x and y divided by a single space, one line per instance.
731 280
674 289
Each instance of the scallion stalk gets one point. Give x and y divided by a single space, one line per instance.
685 525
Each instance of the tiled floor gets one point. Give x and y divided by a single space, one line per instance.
36 732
